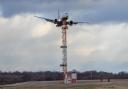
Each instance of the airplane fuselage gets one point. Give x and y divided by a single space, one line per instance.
63 22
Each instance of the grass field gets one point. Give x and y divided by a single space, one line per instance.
92 84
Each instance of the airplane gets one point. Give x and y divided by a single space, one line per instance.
61 22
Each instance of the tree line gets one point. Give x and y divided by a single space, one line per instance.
16 77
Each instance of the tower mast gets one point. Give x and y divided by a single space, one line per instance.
64 53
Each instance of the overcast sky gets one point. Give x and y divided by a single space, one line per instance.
30 44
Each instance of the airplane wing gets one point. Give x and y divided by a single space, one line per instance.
73 22
49 20
79 22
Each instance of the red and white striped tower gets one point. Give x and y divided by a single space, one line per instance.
64 51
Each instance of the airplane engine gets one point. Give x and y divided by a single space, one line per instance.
55 21
71 23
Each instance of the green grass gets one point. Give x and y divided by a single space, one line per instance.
115 84
71 87
58 86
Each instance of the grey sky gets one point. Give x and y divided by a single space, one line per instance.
92 10
28 43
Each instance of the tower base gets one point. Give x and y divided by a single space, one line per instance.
70 78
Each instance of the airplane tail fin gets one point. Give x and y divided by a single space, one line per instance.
58 14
